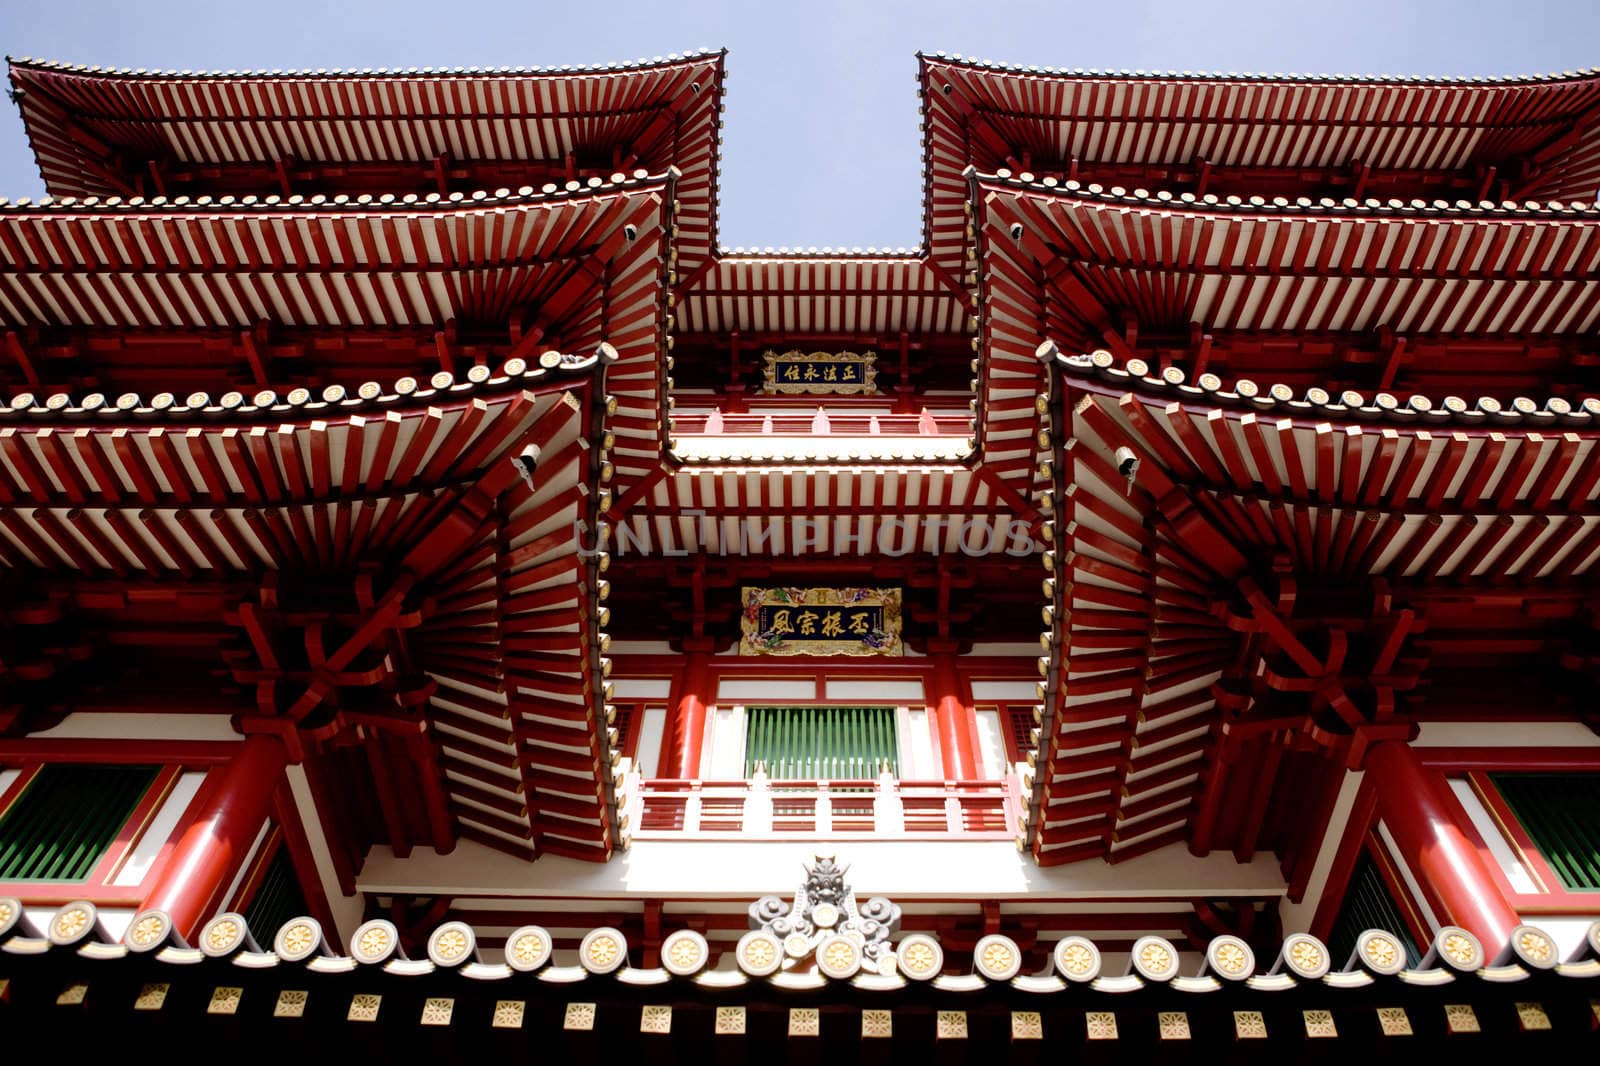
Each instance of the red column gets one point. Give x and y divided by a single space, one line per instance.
1422 817
952 717
218 840
686 725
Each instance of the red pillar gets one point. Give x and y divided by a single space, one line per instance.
952 716
686 726
218 840
1422 817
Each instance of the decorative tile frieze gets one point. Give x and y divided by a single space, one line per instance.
225 999
951 1025
1532 1017
877 1024
1319 1024
508 1013
1460 1018
72 995
1174 1024
1027 1025
805 1021
1393 1021
291 1003
1102 1025
364 1007
151 996
730 1021
1249 1025
579 1018
438 1011
655 1019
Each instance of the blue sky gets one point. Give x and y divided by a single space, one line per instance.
821 145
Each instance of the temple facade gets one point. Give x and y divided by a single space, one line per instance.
450 603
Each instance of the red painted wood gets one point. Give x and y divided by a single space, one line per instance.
684 735
1426 824
953 716
219 838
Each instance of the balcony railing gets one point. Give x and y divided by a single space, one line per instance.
671 809
837 423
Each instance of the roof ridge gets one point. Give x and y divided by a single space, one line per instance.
1166 199
672 59
957 59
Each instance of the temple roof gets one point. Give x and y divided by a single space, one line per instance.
1539 136
416 481
1176 507
352 261
102 132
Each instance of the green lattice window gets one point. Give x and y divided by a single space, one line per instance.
66 818
1561 814
277 899
1368 905
815 743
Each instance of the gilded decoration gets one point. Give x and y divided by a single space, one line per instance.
1027 1025
997 957
1174 1024
684 952
148 930
438 1010
1155 958
951 1025
1535 947
374 941
920 957
877 1024
805 1021
222 934
1532 1017
603 951
862 928
151 996
291 1003
297 941
1101 1024
730 1021
1382 952
72 995
527 948
508 1013
1077 958
1460 949
1249 1025
1461 1018
450 944
1306 956
579 1017
759 953
655 1019
843 621
1319 1024
1393 1021
69 923
364 1007
225 999
5 913
797 373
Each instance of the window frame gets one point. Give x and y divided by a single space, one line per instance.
1477 765
170 760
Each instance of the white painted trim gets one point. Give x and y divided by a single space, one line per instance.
905 871
991 743
115 726
1009 691
789 690
1521 880
1296 917
1413 886
147 848
652 727
346 910
907 691
1505 735
642 688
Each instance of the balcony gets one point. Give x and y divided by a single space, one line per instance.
884 808
820 422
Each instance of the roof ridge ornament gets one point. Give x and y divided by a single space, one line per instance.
825 907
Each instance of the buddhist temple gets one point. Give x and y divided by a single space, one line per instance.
451 604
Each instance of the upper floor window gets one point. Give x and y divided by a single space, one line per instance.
821 743
1559 813
66 818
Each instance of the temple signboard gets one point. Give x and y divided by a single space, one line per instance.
799 373
847 621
